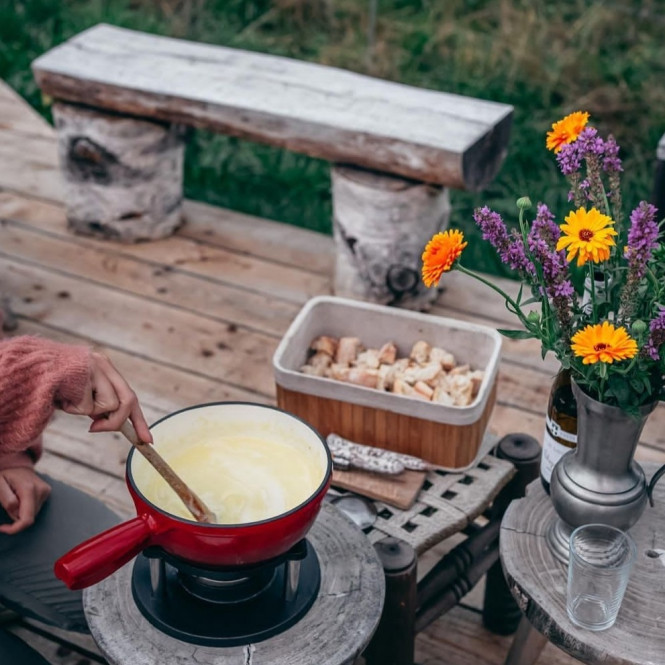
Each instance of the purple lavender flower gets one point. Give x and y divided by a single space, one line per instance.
510 247
569 158
656 336
642 239
611 160
589 143
542 240
545 227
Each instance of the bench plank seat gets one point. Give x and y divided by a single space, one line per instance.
321 111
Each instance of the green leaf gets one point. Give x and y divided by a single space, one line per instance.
620 387
516 334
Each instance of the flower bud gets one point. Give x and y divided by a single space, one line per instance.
523 203
533 316
638 327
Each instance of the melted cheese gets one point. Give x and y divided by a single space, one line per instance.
241 478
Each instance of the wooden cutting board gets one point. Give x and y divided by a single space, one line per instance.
399 490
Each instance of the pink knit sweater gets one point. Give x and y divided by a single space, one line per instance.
35 376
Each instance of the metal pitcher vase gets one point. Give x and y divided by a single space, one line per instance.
599 481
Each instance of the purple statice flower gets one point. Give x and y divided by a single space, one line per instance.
509 247
642 239
542 240
656 336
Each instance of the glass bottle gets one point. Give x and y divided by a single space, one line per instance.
560 426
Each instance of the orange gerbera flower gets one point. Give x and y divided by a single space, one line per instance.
603 343
587 235
566 130
440 254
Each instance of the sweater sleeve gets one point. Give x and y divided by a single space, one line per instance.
36 374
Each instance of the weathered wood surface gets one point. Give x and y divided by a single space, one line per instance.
333 632
317 110
160 309
123 176
380 226
538 582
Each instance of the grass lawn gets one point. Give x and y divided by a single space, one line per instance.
546 59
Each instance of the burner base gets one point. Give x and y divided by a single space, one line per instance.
176 612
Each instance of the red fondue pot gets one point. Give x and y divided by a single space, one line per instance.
211 545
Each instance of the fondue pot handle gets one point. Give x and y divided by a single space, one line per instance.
100 556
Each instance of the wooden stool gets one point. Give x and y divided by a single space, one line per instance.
538 583
334 631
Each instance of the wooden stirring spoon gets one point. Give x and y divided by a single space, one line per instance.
192 502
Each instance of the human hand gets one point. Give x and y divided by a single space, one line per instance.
22 494
109 400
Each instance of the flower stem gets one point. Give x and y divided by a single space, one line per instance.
592 285
501 292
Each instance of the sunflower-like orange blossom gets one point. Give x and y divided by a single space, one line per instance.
440 254
603 343
587 235
566 130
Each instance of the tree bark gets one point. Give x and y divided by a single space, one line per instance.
123 175
381 226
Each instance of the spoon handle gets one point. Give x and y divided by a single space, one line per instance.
192 502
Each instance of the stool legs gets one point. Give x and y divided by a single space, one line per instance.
395 638
501 613
527 645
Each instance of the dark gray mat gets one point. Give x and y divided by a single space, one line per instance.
13 651
27 582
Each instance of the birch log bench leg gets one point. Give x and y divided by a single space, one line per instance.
395 150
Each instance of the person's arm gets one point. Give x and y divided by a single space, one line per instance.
34 372
36 377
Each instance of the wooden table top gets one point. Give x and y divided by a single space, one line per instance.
538 582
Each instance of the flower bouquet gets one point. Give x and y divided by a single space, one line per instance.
610 333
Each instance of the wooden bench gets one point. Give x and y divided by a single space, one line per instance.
122 97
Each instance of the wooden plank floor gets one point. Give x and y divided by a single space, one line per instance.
196 318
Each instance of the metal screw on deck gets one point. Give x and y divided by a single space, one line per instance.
501 613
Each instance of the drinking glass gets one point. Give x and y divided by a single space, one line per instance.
601 558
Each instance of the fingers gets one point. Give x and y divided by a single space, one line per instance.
8 499
109 400
140 424
30 492
115 401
